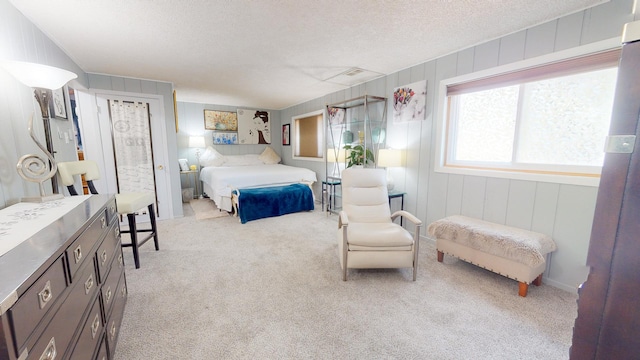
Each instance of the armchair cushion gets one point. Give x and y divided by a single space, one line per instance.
378 236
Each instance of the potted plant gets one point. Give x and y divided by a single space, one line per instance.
358 155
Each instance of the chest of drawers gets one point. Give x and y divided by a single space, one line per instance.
63 289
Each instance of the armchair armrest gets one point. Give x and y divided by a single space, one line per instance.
406 215
343 219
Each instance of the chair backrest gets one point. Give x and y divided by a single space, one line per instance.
364 195
69 169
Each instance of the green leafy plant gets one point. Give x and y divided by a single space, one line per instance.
358 155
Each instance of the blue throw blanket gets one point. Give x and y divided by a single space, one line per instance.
258 203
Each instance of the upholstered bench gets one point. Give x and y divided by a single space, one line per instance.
515 253
258 203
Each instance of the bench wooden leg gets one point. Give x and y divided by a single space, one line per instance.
522 289
440 256
538 280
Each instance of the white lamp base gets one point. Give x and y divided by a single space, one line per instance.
390 184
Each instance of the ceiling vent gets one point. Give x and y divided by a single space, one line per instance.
353 76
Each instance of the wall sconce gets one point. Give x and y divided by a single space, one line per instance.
41 78
388 158
198 143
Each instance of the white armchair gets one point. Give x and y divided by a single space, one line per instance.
367 235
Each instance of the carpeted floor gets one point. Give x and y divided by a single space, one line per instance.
272 289
206 209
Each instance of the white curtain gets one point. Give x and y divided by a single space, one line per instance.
131 133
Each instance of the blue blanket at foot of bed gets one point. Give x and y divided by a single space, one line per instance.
258 203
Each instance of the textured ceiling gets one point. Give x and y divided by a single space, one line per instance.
273 53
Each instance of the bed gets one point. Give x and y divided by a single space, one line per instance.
231 172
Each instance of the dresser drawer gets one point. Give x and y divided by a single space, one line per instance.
82 248
107 251
32 306
91 334
112 211
109 288
58 334
102 352
114 322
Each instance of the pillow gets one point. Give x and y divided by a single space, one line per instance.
211 157
269 156
242 160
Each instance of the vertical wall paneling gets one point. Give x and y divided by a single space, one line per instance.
569 31
606 21
576 205
496 200
512 48
521 204
486 55
540 40
473 189
454 194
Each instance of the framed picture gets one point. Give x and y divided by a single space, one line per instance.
286 134
254 127
225 138
220 120
57 104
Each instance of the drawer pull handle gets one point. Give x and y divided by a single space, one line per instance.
95 326
103 256
117 231
103 222
77 254
113 208
88 284
50 351
120 260
123 292
113 331
45 295
108 297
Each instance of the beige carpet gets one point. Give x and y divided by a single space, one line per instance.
206 209
272 289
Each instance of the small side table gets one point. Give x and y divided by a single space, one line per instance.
329 191
397 194
195 180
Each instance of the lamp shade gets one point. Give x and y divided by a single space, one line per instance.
38 75
336 155
196 142
389 157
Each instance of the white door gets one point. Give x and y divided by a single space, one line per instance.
126 135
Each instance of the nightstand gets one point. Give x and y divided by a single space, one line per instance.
188 173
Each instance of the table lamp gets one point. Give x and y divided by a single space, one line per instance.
198 143
388 158
42 79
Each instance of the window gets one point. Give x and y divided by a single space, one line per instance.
539 123
308 136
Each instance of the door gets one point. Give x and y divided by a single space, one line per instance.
125 134
608 322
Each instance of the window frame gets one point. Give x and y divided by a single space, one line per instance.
295 140
543 172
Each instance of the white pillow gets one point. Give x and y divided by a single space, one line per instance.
269 156
211 157
242 160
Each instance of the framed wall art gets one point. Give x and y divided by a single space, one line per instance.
253 127
286 136
225 138
58 104
220 120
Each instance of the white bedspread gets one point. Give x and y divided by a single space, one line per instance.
222 180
